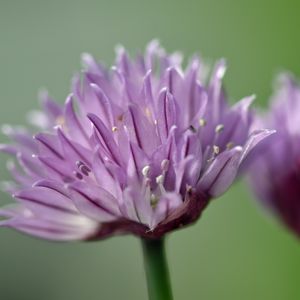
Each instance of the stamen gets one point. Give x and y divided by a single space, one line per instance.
79 163
153 200
85 170
216 149
202 122
219 128
160 179
147 182
145 171
78 175
192 128
188 188
114 129
229 145
210 159
165 165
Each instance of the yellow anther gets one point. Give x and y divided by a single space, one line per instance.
153 200
219 128
114 129
216 149
229 145
202 122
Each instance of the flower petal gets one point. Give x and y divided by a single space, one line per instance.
95 202
165 206
221 172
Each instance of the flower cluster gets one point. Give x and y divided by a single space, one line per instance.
139 148
275 172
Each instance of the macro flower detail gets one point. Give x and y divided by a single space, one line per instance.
275 172
139 148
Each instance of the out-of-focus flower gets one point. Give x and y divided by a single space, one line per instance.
139 148
275 171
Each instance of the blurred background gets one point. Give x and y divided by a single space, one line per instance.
236 250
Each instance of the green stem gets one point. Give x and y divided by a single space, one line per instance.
158 281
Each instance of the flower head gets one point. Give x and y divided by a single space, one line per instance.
139 148
275 172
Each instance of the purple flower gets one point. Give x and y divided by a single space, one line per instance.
275 173
139 148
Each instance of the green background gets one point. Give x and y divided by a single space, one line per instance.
236 250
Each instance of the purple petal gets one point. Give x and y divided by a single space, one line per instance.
141 130
215 92
77 228
221 172
106 137
9 149
95 202
57 169
165 206
51 108
73 125
49 145
46 196
255 138
166 113
135 207
103 106
73 150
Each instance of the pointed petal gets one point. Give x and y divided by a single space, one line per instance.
215 91
135 207
147 88
104 177
48 197
8 149
18 176
73 125
57 169
95 202
107 138
256 137
49 145
90 64
75 228
166 113
165 206
141 130
23 138
51 108
221 173
30 165
72 150
103 106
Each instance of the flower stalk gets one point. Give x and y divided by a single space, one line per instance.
156 268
